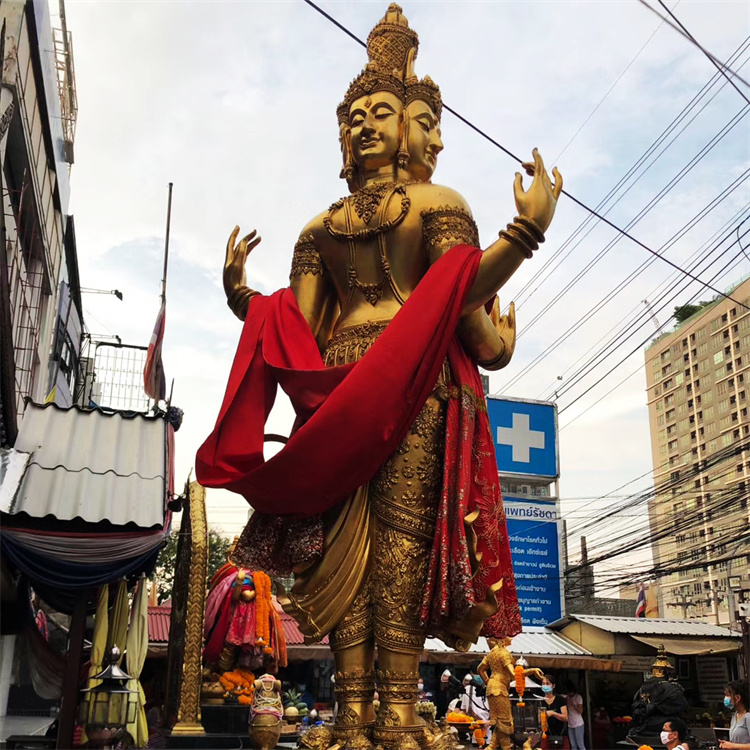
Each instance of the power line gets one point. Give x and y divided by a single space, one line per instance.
628 322
705 89
581 321
613 345
609 90
703 50
509 153
684 32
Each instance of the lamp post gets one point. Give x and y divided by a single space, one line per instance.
106 709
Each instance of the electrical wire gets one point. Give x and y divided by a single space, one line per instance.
509 153
548 267
684 32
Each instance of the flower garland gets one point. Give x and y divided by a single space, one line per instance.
520 683
264 606
459 718
240 683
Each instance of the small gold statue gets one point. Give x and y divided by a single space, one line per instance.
379 579
500 664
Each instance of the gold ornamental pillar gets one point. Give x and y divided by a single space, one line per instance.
189 709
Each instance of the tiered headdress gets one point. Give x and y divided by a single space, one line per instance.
391 49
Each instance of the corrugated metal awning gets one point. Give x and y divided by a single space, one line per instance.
90 464
693 646
543 647
646 626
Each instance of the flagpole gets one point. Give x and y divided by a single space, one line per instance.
166 247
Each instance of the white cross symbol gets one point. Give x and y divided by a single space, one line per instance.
521 438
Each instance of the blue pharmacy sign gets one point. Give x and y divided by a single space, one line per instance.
525 437
534 530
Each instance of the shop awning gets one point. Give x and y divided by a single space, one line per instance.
692 646
539 646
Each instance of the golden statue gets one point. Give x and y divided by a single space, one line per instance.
420 547
499 662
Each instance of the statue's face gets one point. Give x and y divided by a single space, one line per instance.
424 142
375 129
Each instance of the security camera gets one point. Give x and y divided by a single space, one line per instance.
744 609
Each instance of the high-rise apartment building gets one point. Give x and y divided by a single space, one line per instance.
698 385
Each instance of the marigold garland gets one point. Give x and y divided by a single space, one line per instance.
262 584
458 718
520 683
544 725
239 683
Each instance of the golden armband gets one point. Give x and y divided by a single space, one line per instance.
524 234
239 300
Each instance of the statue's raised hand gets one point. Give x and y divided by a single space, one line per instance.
538 203
235 277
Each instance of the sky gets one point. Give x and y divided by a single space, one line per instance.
234 102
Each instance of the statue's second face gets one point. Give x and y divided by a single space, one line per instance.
375 129
424 142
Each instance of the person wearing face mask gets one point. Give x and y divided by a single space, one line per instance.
736 699
557 715
673 735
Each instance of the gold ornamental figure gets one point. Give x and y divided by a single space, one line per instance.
385 502
498 671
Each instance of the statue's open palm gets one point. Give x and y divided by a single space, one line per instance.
234 264
538 203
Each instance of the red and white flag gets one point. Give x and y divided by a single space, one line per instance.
640 607
154 380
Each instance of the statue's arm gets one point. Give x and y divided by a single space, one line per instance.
536 208
234 276
312 287
482 671
488 338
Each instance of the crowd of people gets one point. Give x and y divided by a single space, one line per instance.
565 725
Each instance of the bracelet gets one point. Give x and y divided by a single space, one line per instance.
239 300
531 226
524 235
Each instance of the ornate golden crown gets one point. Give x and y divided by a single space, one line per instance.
425 90
391 49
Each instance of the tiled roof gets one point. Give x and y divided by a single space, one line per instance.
292 631
158 623
159 618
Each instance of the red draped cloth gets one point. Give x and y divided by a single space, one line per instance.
331 453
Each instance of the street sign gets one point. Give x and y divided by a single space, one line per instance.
525 437
535 534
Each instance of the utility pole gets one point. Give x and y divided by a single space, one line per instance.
744 612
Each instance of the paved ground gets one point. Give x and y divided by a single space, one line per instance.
23 725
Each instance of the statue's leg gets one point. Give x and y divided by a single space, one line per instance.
501 716
354 654
405 499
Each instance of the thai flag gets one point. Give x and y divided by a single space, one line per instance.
154 380
640 607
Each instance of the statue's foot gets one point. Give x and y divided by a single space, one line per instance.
317 738
413 737
442 741
358 742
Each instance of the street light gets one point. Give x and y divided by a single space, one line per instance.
106 709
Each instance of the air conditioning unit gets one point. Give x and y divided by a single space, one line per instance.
67 151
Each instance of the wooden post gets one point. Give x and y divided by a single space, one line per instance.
72 671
